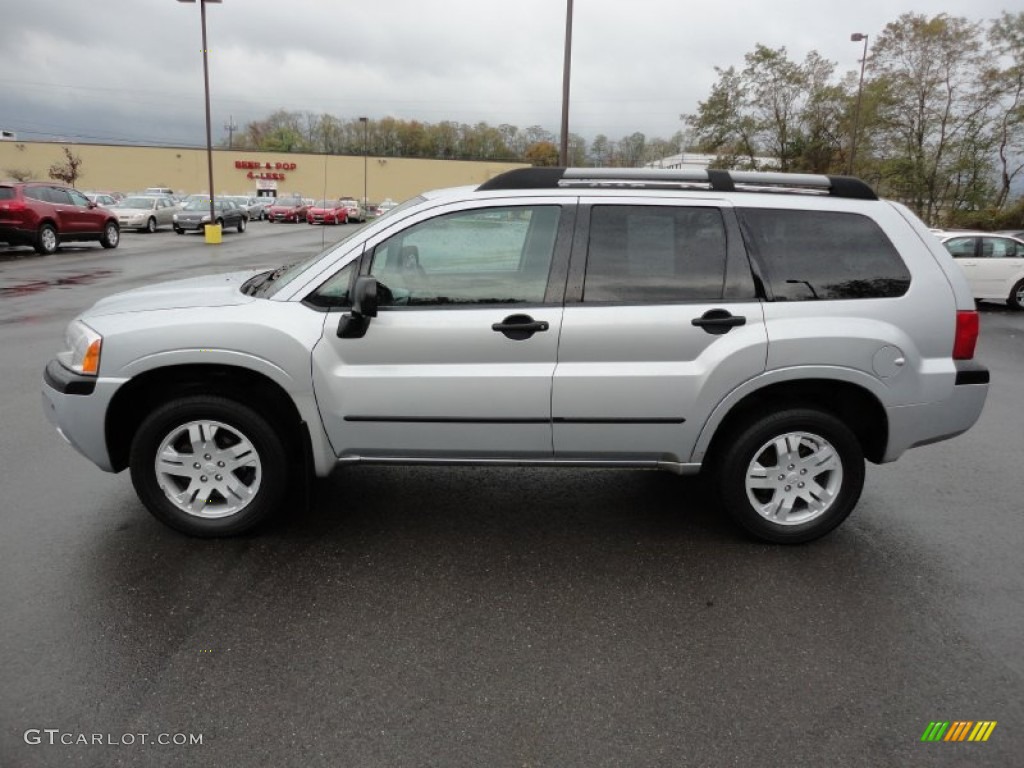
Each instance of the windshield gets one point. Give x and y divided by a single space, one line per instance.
279 278
325 204
201 205
137 202
288 202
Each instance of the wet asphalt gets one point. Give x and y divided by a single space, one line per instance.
492 617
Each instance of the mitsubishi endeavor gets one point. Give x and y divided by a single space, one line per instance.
771 330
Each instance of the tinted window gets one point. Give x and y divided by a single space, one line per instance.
961 247
654 254
59 196
1000 248
37 193
78 198
487 256
6 193
824 255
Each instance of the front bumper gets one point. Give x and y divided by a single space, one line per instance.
190 225
77 407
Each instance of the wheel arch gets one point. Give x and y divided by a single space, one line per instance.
853 403
140 394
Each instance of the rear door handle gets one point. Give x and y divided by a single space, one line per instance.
718 321
520 327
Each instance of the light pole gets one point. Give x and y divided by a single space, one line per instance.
857 37
366 149
210 238
564 153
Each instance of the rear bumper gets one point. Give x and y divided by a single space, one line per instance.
16 235
914 425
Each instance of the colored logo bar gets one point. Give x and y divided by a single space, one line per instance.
959 730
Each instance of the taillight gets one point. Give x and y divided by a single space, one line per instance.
966 334
15 206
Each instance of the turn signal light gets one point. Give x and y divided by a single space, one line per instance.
91 361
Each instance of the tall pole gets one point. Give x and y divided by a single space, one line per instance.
563 155
209 131
366 149
856 37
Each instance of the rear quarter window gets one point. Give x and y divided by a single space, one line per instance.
809 255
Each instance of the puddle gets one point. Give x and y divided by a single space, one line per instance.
68 281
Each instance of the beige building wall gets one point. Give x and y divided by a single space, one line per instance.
132 169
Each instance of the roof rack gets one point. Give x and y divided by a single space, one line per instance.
665 178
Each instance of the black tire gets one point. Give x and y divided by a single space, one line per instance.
151 225
220 223
179 231
47 240
271 477
813 433
241 225
1016 298
111 235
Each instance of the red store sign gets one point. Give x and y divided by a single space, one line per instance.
259 170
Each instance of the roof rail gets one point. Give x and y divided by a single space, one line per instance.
667 178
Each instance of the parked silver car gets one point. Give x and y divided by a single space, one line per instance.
675 320
145 212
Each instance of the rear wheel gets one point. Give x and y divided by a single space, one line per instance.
208 466
47 241
111 235
1016 300
792 476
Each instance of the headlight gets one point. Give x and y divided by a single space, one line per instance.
174 217
206 217
82 349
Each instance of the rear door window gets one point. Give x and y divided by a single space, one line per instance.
654 254
811 255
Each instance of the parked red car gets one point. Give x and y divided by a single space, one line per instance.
44 215
327 212
292 209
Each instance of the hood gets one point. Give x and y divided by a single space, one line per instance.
208 291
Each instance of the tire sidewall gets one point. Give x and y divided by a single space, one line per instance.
740 450
40 242
162 420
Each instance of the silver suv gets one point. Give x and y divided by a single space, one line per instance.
773 330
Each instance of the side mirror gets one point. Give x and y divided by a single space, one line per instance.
353 325
364 297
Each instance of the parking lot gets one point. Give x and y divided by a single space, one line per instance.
466 616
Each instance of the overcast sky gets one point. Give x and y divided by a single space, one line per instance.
131 70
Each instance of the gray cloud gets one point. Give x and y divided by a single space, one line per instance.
132 69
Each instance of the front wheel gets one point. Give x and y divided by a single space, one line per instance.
791 476
151 225
208 466
241 225
1016 300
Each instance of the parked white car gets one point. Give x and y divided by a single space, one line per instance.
993 264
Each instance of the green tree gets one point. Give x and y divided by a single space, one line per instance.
933 112
1006 39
